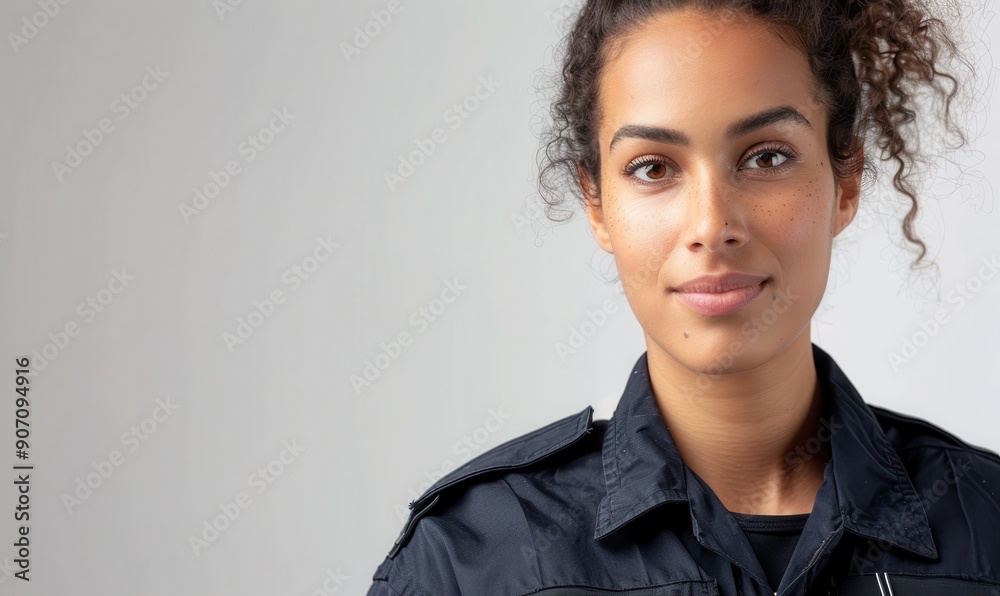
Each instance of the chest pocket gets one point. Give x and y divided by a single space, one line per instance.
887 584
707 588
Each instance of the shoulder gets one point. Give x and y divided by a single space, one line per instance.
915 437
544 447
952 478
494 504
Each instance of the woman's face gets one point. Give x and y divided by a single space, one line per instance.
713 163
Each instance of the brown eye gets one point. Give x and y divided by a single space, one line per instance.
648 170
768 158
655 171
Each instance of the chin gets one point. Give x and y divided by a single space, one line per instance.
724 349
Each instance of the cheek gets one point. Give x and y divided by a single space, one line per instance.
798 233
796 222
643 232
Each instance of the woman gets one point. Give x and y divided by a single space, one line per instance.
718 148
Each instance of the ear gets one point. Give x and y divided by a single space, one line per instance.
595 211
848 197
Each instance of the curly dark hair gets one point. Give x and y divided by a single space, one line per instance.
872 60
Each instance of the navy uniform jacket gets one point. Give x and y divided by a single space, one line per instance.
584 507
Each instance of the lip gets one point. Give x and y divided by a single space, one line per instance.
725 294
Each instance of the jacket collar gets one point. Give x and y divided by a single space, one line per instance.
875 497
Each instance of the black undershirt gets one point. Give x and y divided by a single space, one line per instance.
773 538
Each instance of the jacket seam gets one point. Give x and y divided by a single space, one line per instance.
527 529
915 509
389 586
615 473
705 587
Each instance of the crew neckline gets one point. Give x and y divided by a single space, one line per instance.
768 524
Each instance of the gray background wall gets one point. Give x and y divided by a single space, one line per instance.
141 396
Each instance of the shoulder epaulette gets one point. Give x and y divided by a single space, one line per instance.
517 453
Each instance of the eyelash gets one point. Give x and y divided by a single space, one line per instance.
647 160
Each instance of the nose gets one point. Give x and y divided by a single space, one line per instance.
716 220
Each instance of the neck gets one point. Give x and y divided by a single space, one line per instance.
740 431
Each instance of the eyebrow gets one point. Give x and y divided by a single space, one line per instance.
739 128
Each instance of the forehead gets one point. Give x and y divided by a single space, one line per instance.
703 68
